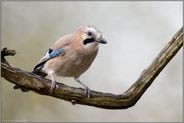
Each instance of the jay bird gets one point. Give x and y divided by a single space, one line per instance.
71 55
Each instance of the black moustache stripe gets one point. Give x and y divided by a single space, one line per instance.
88 40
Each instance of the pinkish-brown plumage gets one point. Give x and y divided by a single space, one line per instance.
76 53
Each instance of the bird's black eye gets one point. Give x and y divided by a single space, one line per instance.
89 33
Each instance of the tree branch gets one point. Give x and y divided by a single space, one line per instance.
125 100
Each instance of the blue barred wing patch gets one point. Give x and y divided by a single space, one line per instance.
49 55
56 53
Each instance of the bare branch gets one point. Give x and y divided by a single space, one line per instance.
125 100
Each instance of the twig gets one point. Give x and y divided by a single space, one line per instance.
125 100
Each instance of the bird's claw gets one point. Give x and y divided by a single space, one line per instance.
53 86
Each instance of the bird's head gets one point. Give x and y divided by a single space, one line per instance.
91 36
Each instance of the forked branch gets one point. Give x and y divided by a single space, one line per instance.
125 100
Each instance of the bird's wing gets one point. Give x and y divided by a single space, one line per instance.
56 49
49 55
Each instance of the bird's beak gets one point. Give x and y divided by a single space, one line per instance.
102 41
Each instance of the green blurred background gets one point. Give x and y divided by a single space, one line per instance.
135 31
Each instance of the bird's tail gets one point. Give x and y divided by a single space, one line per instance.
39 72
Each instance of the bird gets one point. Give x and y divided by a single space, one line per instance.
71 55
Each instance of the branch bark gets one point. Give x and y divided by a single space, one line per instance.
74 95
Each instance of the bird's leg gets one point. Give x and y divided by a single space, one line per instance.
53 85
87 90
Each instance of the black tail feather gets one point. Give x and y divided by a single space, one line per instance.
38 69
39 72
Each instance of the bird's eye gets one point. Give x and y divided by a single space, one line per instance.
89 33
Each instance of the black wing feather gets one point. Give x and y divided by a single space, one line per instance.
49 55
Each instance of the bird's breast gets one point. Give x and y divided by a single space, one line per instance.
73 64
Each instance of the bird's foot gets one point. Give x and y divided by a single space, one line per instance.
87 91
53 87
